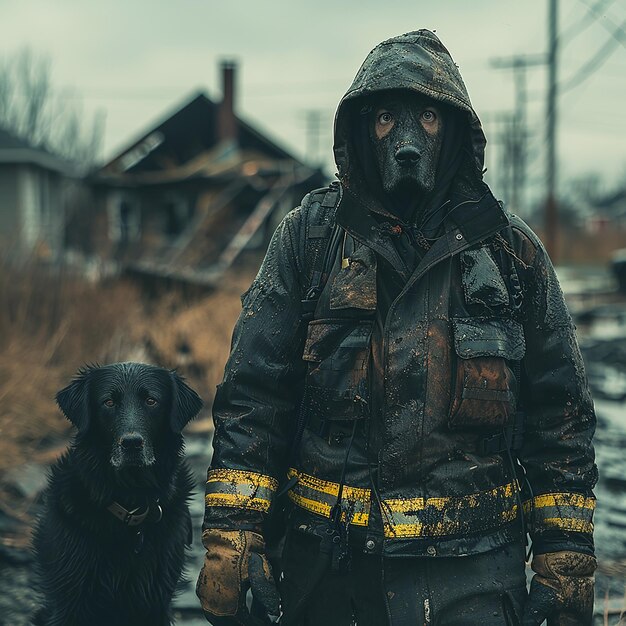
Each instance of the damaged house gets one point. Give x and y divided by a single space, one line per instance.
36 188
184 200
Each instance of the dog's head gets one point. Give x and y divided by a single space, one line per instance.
133 407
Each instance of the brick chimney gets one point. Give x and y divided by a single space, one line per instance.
226 122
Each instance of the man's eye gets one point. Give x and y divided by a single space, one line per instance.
151 401
429 116
385 118
109 402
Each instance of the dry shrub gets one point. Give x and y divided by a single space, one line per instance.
51 324
194 337
580 247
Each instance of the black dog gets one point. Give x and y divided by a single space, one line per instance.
110 544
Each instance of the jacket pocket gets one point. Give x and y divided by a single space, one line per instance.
484 386
337 352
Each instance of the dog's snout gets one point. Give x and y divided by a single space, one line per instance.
132 441
407 155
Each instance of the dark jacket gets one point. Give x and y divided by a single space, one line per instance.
409 375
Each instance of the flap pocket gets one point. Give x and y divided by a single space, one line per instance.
482 281
484 385
479 336
336 386
339 341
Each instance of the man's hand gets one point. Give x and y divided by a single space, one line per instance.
561 590
235 561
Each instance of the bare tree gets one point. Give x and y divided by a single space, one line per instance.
31 109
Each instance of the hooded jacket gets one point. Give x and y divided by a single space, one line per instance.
416 368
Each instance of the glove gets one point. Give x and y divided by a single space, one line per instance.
235 561
561 590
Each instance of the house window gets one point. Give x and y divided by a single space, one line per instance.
176 217
124 218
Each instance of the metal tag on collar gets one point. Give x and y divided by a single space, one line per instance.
159 513
138 542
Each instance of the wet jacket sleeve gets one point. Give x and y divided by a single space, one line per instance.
557 454
255 406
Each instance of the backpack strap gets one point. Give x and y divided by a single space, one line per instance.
320 245
318 249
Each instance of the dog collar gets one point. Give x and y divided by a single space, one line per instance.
134 517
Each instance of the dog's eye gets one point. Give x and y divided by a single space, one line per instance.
109 402
151 401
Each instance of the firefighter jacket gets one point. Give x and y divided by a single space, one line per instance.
443 402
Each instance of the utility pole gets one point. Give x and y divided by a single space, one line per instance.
519 133
551 215
500 134
313 131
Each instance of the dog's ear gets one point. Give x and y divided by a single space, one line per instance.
73 400
185 403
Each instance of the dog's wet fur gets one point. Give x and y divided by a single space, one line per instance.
93 568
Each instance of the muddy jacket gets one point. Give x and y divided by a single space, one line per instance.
408 378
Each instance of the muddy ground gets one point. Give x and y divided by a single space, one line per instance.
192 336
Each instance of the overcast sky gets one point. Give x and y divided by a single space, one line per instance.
139 59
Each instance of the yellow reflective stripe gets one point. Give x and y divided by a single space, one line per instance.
564 499
319 496
242 477
577 525
471 501
321 508
563 511
237 501
450 515
330 488
411 517
240 489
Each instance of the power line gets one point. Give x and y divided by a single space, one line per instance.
515 136
619 36
581 25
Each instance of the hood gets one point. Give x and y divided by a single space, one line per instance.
419 62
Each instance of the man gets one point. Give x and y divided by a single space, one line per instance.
405 383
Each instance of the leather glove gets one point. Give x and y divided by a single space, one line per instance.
561 590
235 561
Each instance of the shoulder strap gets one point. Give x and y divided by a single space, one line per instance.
322 239
319 247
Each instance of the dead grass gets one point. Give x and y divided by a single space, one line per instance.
50 325
579 247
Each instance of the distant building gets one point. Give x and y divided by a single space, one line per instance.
34 190
192 192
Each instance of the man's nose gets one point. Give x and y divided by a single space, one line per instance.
131 441
407 155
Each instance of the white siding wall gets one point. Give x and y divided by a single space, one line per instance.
42 211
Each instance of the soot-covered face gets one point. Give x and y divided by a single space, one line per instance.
406 133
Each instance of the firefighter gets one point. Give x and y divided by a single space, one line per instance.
405 389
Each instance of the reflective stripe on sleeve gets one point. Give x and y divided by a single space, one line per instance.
562 511
240 489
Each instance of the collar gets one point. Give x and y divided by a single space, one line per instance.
136 516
